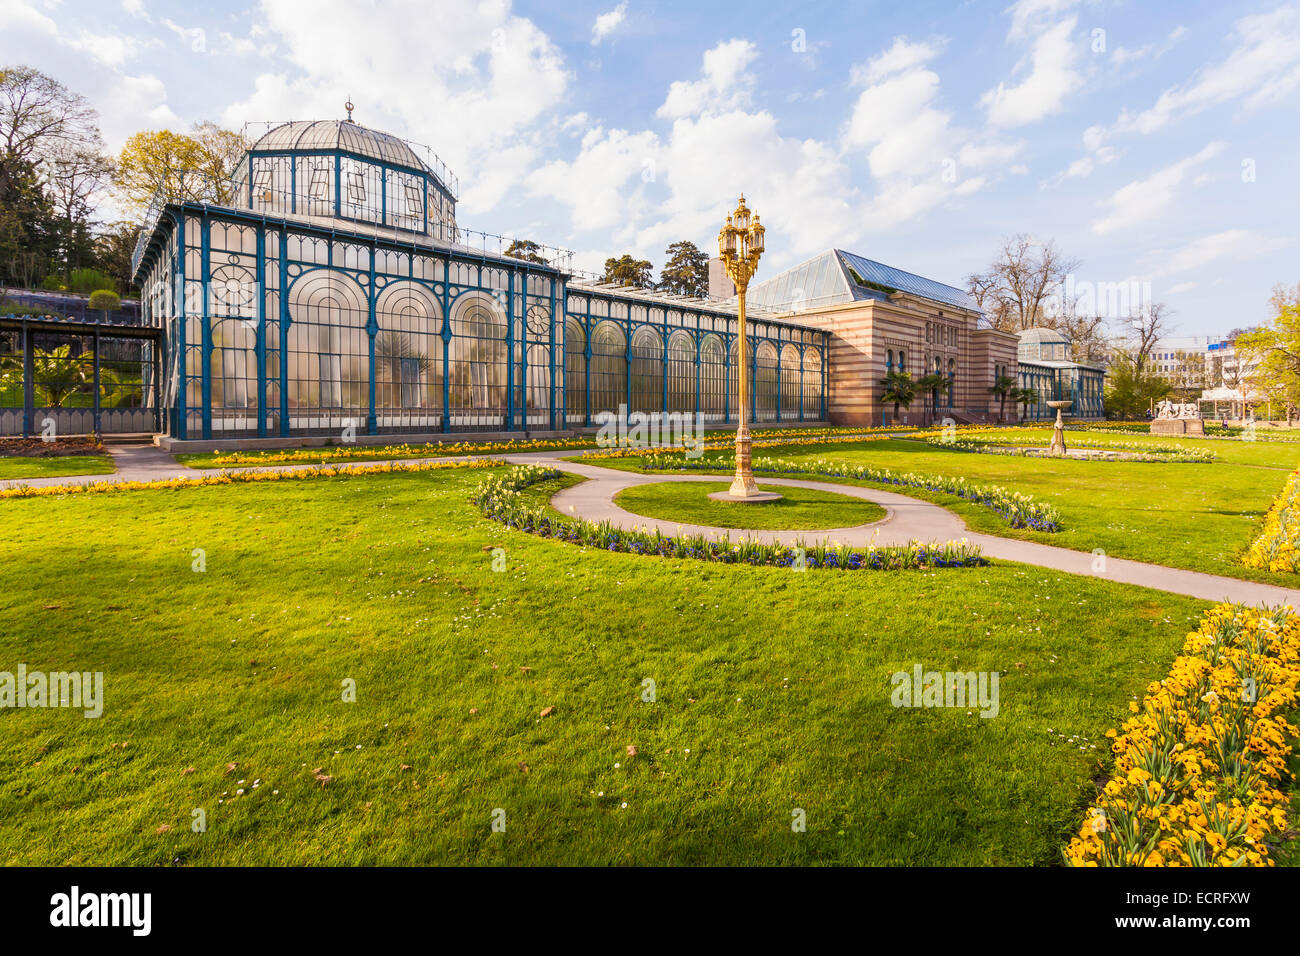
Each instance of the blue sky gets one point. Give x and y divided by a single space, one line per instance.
1154 141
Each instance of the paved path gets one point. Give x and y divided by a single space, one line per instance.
906 519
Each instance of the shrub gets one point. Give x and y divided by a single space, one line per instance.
104 300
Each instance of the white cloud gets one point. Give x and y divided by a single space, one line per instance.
1180 288
1052 77
485 98
607 23
1143 199
595 185
724 82
1262 68
1231 244
899 58
1030 16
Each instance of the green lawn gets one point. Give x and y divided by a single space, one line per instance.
800 508
1196 516
772 691
55 466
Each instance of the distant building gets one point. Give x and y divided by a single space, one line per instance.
1044 364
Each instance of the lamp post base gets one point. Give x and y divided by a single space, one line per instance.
743 485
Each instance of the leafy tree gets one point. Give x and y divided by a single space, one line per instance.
58 374
898 389
28 228
1003 387
197 168
1131 389
628 272
114 247
1025 397
1275 350
86 281
104 300
72 178
527 250
687 270
932 386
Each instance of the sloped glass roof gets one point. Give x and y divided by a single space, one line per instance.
832 278
889 277
818 282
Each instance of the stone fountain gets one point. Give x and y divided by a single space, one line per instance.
1058 431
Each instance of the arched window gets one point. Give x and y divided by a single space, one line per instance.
647 371
329 353
902 361
812 384
478 363
608 368
765 382
408 358
713 379
952 382
575 373
790 382
889 361
681 372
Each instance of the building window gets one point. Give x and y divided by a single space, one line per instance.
331 378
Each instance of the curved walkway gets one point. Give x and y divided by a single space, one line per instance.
906 519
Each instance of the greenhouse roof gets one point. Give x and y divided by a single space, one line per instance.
836 276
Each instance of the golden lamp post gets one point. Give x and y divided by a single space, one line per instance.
741 243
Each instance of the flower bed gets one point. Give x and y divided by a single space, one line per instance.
1200 768
241 477
1033 444
500 498
1021 511
1276 547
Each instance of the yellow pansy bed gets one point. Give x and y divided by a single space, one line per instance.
1276 548
242 477
1201 771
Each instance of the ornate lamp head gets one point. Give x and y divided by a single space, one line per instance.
727 240
756 234
741 215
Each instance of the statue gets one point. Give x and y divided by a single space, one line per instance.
1177 418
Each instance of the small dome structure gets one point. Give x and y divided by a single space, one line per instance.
1043 344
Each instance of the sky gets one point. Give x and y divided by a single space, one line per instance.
1155 142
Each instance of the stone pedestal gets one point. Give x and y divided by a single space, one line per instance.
1178 426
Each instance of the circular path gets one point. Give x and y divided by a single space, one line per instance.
906 519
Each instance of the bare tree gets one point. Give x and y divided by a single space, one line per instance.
37 114
1144 328
73 175
1015 290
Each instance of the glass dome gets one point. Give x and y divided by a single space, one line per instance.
341 135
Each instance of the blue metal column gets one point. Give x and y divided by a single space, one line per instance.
29 371
285 320
510 350
372 329
261 332
557 378
206 348
586 354
446 339
94 344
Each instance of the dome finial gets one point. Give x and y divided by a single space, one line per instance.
348 106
